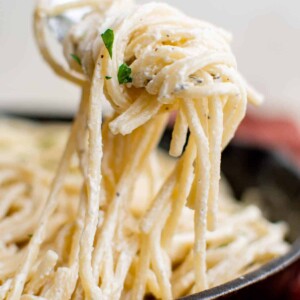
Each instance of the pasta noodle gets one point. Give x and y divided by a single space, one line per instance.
30 155
117 221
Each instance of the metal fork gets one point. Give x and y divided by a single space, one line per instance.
61 24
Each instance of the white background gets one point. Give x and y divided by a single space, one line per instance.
266 43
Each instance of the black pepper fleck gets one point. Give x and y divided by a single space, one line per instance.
180 87
196 79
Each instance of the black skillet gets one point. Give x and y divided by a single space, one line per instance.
279 182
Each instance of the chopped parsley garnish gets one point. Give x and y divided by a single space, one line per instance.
124 74
108 77
108 40
76 58
30 236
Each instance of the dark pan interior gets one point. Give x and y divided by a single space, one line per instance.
278 180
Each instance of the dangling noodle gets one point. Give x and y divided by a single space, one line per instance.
123 227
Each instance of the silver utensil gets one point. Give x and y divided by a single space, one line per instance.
61 24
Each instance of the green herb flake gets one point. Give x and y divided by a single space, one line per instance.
124 74
108 77
76 58
30 236
108 40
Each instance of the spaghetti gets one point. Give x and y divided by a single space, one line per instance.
109 239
